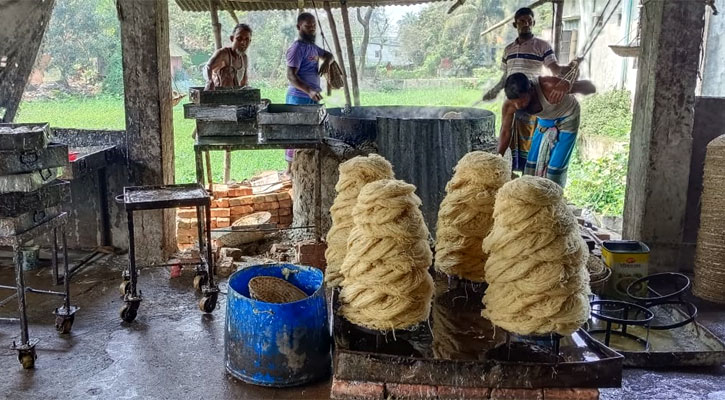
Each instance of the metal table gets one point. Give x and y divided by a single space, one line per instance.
137 198
252 142
65 314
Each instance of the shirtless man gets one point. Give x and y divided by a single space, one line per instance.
227 68
554 141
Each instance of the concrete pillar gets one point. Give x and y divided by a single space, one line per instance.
149 125
661 141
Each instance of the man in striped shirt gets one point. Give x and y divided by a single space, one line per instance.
527 55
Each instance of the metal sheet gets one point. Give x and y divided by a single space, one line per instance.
20 137
16 225
27 182
287 114
17 203
55 155
237 96
253 5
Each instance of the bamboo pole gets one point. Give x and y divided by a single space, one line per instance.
338 52
350 51
217 29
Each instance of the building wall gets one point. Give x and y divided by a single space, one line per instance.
607 70
713 71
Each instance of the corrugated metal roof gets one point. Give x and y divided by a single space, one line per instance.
256 5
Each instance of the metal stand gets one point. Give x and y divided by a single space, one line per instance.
65 314
238 143
138 198
605 309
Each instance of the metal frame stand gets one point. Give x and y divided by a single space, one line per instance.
197 197
65 314
239 143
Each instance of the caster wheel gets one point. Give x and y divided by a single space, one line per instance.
27 359
124 288
128 313
64 324
208 304
199 281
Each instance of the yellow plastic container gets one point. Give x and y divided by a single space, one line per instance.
629 261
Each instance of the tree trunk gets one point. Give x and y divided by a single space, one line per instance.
365 22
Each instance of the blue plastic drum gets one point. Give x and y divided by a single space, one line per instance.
272 344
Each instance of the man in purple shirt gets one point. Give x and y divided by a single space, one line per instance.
302 68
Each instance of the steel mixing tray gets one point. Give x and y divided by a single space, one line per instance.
18 203
21 137
165 196
458 347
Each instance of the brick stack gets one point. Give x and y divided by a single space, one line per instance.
231 203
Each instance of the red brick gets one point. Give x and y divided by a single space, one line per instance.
241 210
213 224
186 213
220 191
273 205
264 206
186 223
284 211
222 203
285 219
311 253
268 198
571 394
274 213
241 201
223 222
258 199
283 196
517 394
357 390
285 203
274 220
467 393
220 212
406 391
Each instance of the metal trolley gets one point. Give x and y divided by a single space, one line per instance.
65 314
138 198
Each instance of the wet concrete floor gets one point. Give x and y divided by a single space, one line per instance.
173 351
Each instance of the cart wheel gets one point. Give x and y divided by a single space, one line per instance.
27 359
200 280
124 288
64 324
128 313
208 303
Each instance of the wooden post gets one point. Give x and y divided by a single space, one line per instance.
558 26
350 51
149 123
23 26
234 16
338 52
217 28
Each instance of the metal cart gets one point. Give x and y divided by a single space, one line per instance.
65 314
137 198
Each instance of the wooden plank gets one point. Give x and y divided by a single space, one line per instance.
219 112
236 96
20 137
55 155
22 27
246 127
338 52
350 52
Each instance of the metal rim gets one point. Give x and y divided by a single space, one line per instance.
691 314
662 276
623 306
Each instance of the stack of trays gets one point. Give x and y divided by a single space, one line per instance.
284 122
30 193
224 112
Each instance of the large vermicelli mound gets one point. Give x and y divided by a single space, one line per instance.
386 284
466 214
536 270
354 174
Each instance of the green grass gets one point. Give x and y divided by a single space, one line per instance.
108 113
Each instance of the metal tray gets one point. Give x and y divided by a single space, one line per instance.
89 159
237 96
10 226
246 127
19 137
18 203
286 114
458 347
688 345
220 112
28 181
165 196
17 162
